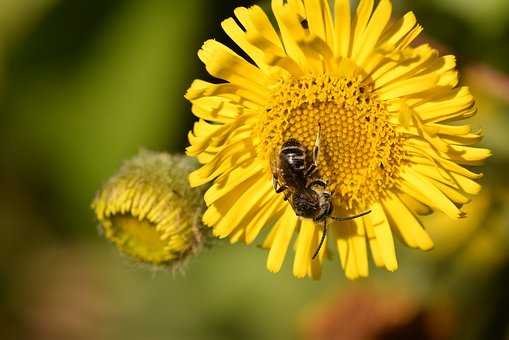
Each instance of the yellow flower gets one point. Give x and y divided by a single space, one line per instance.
149 211
382 105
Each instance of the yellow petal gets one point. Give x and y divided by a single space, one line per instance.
291 31
360 248
351 243
416 206
351 269
314 18
427 189
304 253
201 88
447 165
373 244
271 211
373 31
208 135
342 28
383 76
246 206
259 40
329 24
216 109
383 234
398 30
223 63
408 87
275 55
230 157
221 206
451 193
408 225
254 19
454 104
361 20
450 178
436 173
469 186
297 7
232 29
212 215
284 230
269 239
235 178
469 155
237 235
469 139
341 234
315 270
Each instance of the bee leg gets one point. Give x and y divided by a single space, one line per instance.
281 189
316 148
322 240
347 218
277 186
275 183
316 151
310 170
319 182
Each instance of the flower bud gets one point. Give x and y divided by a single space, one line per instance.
149 211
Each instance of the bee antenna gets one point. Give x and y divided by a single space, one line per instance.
350 217
324 234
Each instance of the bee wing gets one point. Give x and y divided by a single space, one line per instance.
274 167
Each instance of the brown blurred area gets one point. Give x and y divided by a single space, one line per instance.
371 314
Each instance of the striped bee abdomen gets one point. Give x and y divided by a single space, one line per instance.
293 155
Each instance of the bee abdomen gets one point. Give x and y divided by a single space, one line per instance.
294 154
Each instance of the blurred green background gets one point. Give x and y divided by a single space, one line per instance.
85 83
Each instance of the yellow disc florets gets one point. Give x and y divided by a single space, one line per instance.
360 150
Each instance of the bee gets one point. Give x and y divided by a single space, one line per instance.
295 174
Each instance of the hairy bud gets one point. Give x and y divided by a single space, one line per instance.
149 211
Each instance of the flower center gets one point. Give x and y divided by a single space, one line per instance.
360 150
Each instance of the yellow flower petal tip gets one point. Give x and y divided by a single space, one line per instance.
380 106
149 211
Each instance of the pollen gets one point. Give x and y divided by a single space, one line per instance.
360 150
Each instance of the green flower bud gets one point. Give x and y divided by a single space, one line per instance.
149 211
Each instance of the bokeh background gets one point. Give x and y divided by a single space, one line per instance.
85 83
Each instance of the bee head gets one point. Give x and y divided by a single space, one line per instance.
306 203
